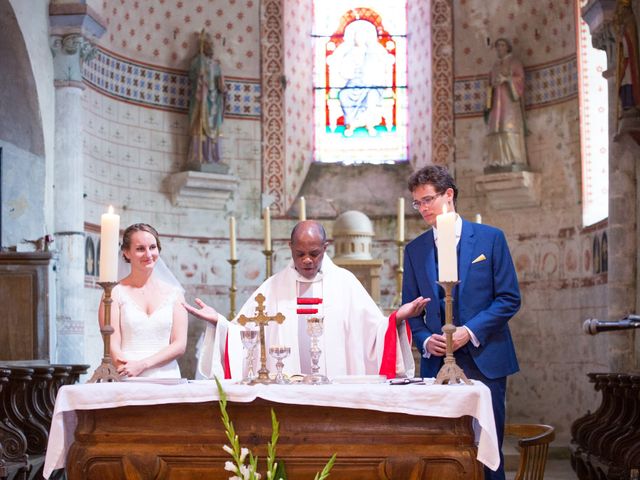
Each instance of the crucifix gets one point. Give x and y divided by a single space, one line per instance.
261 319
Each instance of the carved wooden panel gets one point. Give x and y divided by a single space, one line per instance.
24 330
178 441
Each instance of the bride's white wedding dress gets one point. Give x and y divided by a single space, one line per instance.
142 335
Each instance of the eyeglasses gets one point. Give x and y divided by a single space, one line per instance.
425 202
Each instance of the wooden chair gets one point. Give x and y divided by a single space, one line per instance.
533 444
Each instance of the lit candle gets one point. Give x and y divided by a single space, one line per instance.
109 236
267 228
478 218
303 209
232 237
447 255
401 219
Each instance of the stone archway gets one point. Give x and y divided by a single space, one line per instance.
20 120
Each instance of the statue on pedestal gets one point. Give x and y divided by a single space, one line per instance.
627 60
206 109
504 112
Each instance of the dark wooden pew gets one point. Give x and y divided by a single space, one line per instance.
28 391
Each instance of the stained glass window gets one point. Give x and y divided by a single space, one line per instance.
360 81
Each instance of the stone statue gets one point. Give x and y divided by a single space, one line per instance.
627 59
206 109
504 113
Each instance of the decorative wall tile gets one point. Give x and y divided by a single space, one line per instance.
545 85
129 81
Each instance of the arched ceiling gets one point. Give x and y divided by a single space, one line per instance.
20 120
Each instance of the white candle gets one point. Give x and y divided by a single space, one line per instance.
478 218
401 219
109 236
232 237
303 209
267 228
447 255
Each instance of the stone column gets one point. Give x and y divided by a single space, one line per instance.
622 229
623 242
72 27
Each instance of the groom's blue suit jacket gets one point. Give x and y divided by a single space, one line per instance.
485 299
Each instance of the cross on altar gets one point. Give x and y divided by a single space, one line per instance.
261 319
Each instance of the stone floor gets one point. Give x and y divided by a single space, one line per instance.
557 469
558 462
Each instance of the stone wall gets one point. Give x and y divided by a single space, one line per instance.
561 275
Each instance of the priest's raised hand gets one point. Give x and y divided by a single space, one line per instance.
411 309
205 312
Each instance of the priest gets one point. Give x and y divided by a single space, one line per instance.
357 340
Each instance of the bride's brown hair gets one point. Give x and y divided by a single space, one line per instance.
137 227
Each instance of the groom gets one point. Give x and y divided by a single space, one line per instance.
484 301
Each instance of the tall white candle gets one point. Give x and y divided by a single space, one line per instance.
232 238
478 218
109 236
303 209
401 219
267 228
447 254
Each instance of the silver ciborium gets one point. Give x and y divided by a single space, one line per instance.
279 353
249 338
315 328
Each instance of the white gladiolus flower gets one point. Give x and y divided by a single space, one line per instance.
227 449
243 454
230 467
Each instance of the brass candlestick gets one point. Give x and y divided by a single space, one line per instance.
450 372
397 298
269 259
232 289
107 371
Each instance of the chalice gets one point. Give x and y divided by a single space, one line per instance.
315 328
249 338
279 353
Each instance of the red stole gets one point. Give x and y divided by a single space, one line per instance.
389 353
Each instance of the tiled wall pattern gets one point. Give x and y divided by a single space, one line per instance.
298 96
130 151
544 86
166 32
419 81
539 30
159 87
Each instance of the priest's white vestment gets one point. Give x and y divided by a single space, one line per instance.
353 342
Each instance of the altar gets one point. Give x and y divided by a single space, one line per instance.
140 430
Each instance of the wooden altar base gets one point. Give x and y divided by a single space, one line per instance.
184 441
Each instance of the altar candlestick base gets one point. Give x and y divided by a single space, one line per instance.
450 373
107 371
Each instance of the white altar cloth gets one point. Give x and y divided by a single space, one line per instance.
450 401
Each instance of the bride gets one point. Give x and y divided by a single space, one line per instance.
149 321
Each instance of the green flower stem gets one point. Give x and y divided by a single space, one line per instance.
235 450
